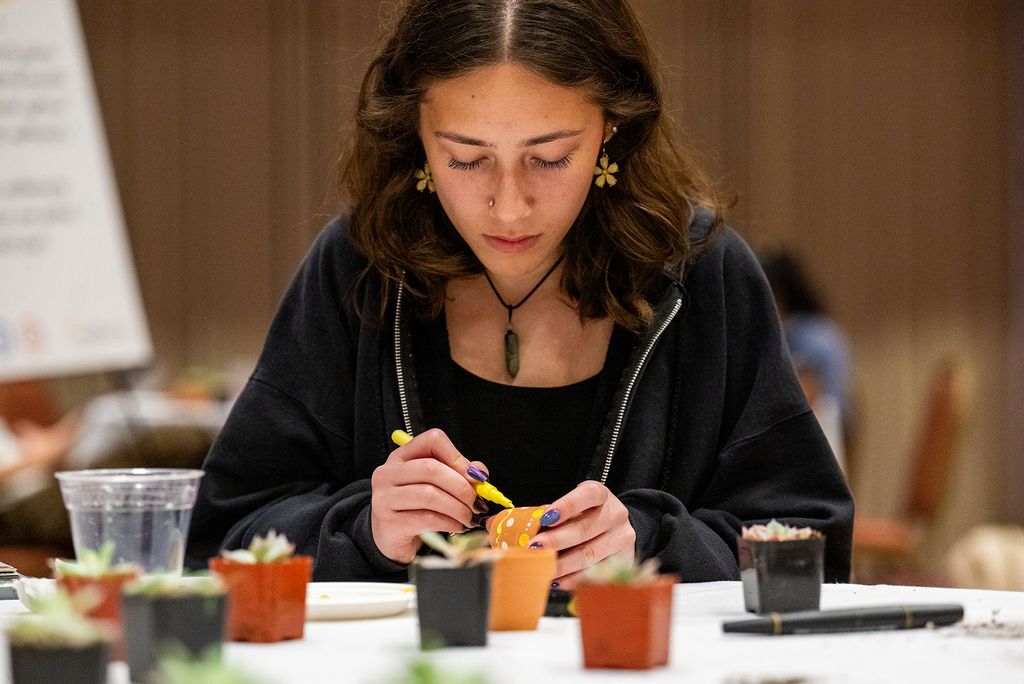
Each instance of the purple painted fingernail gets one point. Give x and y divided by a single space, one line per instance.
480 506
476 474
478 520
550 517
536 545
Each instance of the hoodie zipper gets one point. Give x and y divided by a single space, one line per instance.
620 416
406 419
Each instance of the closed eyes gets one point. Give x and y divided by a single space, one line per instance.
562 163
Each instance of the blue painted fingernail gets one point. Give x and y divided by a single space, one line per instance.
550 517
476 474
536 545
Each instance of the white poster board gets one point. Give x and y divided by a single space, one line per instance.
69 300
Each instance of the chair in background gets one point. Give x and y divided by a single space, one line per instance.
885 550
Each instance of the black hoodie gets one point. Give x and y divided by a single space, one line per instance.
709 429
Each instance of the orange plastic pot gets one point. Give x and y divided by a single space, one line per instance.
267 600
107 590
625 626
520 583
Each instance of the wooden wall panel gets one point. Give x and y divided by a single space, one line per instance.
870 136
1014 489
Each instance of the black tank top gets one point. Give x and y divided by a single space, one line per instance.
537 442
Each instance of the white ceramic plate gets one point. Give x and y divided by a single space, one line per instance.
354 600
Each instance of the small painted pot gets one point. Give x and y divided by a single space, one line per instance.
515 527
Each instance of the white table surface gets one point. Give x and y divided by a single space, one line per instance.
371 651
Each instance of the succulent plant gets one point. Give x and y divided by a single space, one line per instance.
269 549
776 531
92 563
57 620
166 585
623 569
458 549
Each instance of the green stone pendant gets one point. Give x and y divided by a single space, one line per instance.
511 352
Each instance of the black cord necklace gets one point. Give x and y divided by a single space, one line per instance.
511 338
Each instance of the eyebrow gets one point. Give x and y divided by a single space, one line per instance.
529 142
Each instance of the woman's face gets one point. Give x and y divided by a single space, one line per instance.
504 134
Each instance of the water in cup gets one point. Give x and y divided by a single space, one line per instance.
145 512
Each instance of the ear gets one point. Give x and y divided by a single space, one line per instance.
610 129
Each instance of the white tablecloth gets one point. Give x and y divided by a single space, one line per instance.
370 651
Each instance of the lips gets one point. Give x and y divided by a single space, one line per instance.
512 245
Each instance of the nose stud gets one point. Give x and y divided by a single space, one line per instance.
491 202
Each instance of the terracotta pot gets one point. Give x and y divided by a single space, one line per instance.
267 600
108 589
515 527
453 604
153 624
35 665
781 576
519 588
624 626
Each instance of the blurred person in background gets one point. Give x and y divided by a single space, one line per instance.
818 347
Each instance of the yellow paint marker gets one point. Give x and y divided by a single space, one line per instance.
485 490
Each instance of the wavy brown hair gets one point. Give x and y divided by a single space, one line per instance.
625 236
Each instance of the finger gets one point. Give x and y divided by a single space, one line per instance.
415 497
612 515
429 471
578 530
481 469
434 443
582 556
586 495
568 582
413 523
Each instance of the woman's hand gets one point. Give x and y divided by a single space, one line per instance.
585 526
424 486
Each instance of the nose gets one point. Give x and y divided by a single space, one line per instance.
512 201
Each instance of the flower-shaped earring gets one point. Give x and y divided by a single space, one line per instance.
424 180
604 171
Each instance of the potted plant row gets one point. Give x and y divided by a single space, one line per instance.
267 589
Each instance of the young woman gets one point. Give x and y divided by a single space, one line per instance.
534 276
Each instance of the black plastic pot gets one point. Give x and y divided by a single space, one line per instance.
780 576
36 665
154 624
453 604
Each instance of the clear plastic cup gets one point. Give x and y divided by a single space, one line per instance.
145 512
